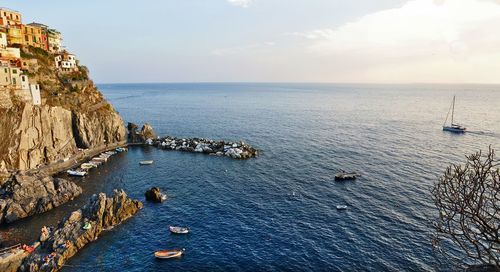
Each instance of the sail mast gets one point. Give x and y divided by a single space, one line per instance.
452 110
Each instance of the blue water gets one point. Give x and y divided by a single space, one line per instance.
243 214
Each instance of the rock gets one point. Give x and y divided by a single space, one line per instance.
148 132
69 237
26 195
154 195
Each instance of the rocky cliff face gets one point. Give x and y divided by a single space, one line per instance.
80 228
73 115
24 195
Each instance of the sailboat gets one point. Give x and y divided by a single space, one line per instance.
455 128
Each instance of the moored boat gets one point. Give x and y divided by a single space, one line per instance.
169 254
145 162
100 159
179 230
342 175
87 166
76 173
341 207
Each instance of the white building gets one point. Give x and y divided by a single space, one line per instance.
3 39
66 62
35 94
10 52
25 84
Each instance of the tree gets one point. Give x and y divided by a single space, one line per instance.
468 200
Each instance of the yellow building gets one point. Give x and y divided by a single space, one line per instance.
14 35
35 35
9 17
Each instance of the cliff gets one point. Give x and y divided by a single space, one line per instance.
74 115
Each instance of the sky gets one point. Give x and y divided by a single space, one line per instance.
346 41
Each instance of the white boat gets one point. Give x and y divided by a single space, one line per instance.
455 128
179 230
76 173
87 166
341 207
121 149
99 159
96 163
145 162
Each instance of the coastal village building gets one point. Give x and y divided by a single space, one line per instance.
35 35
14 70
3 37
55 39
9 17
9 76
66 62
14 35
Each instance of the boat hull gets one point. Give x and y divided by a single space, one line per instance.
454 129
168 254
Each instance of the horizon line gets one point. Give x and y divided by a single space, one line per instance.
295 82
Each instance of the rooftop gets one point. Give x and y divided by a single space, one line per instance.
38 25
10 10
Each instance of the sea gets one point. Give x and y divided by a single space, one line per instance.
277 212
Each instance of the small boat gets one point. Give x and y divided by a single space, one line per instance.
341 207
121 149
455 128
100 159
342 175
76 173
179 230
145 162
96 162
86 166
87 226
169 254
110 153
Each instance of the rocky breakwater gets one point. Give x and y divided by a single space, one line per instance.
25 195
236 150
78 229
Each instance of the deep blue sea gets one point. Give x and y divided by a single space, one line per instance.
277 212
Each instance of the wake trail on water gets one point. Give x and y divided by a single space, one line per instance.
485 133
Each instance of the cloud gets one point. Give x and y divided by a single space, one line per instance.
254 48
427 40
240 3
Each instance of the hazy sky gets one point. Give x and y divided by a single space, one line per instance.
386 41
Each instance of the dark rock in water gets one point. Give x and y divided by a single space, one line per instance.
135 136
80 228
483 268
154 195
26 195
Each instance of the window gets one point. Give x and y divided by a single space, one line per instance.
14 71
14 81
6 70
23 79
26 38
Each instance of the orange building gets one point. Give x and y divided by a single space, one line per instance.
36 35
9 17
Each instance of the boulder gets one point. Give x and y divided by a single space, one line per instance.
154 195
147 132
